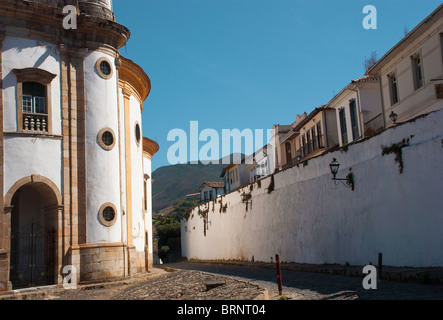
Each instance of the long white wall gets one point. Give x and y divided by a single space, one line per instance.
309 219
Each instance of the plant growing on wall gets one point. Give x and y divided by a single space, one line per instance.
213 204
205 215
223 208
246 197
396 148
271 185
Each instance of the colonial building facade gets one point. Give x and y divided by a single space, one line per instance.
74 166
411 73
358 110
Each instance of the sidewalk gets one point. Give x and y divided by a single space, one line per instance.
389 273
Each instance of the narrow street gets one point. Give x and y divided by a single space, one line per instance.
234 281
316 286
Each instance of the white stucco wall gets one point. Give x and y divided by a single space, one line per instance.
370 102
25 156
138 223
102 166
123 163
241 175
20 53
147 167
309 219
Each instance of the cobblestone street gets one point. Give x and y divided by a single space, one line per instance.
160 284
318 286
190 281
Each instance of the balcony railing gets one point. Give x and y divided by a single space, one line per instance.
312 145
35 122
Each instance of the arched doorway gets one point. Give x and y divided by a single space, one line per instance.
33 246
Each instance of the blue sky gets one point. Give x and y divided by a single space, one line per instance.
252 63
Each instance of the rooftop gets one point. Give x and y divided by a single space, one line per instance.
213 184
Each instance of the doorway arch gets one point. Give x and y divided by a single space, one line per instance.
34 204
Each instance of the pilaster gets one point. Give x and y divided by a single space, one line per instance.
5 215
74 154
127 121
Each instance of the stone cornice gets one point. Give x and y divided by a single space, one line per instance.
134 80
150 147
34 74
45 22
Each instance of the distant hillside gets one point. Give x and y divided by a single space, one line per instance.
172 183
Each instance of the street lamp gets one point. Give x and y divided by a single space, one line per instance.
393 116
334 166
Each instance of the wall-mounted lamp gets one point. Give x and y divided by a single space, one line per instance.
334 166
393 116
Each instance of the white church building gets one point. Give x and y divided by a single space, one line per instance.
74 166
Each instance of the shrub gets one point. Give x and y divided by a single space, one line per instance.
163 253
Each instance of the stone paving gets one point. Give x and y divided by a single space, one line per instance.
191 285
161 284
314 285
241 281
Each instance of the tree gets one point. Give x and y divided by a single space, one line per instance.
163 253
167 228
369 62
182 206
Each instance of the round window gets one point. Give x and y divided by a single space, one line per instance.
104 68
106 138
137 133
107 214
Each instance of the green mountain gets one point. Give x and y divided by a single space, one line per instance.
172 183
